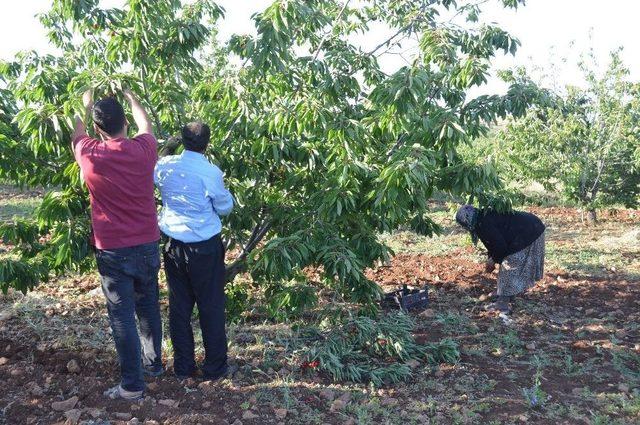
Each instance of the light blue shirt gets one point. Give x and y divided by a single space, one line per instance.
193 197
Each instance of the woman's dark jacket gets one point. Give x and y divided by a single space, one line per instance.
506 234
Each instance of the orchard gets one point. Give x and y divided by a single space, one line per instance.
322 149
346 174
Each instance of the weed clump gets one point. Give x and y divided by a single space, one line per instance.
379 351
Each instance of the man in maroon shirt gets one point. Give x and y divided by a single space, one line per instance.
118 172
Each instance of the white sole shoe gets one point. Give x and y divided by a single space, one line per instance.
119 392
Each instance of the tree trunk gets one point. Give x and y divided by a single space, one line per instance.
233 270
592 218
239 265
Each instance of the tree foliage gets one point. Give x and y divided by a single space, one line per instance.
584 142
321 147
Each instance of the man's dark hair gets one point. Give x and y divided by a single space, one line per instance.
195 136
108 114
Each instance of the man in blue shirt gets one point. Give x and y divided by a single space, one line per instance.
193 199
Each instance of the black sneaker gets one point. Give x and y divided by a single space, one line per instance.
231 370
148 371
183 376
500 306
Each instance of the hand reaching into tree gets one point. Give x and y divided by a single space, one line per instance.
140 116
87 99
80 127
128 94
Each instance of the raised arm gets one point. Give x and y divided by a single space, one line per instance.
140 116
80 128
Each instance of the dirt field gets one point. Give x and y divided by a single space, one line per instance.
570 355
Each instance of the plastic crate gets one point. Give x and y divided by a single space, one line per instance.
406 299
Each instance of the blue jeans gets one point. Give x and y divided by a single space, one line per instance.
195 274
130 284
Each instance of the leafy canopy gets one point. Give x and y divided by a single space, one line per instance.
321 147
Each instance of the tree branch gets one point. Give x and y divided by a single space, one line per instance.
400 31
396 146
390 39
239 264
324 37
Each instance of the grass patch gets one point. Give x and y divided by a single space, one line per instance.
595 251
17 207
588 261
454 322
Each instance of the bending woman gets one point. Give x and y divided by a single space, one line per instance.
513 240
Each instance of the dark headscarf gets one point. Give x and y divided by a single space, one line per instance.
467 217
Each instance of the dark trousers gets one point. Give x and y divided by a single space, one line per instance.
130 285
195 274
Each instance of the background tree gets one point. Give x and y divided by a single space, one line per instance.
322 148
584 144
